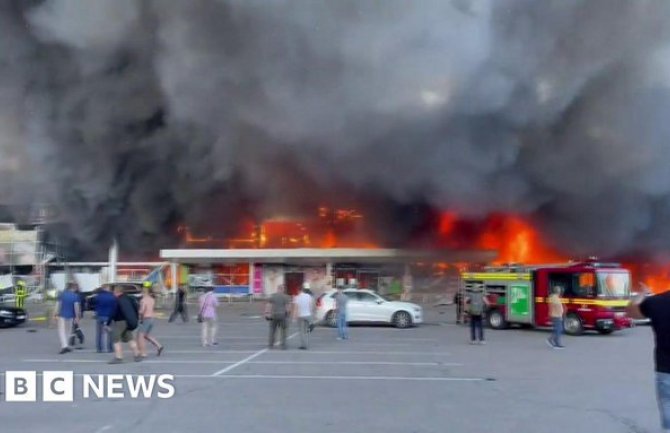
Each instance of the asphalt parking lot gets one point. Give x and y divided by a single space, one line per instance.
425 379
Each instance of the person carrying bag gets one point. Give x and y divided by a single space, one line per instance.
207 317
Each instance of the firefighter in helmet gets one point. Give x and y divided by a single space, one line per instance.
20 294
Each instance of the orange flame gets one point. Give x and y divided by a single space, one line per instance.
515 239
655 276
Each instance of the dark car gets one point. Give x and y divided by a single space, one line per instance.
134 290
12 316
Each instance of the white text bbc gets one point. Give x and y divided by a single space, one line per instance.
59 386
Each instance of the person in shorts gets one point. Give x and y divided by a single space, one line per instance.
123 322
147 306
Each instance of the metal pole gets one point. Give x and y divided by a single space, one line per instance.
173 275
329 276
252 280
113 260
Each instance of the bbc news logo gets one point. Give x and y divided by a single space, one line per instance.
59 386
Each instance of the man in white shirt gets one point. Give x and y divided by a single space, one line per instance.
303 308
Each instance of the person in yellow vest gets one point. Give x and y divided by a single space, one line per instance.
20 294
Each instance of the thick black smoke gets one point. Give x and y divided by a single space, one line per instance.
129 117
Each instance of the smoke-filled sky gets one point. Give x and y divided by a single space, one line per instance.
131 116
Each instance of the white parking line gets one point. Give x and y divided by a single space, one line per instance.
195 338
199 361
451 364
358 378
198 352
247 359
367 352
146 361
312 377
242 362
253 341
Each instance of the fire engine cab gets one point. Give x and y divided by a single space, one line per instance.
594 295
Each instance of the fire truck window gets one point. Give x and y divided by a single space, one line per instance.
584 284
564 281
497 289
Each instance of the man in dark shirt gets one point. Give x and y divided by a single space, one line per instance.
657 308
105 306
180 306
277 312
124 321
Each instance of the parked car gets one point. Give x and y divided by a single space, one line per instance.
132 289
12 316
366 306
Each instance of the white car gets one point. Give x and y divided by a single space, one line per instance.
365 306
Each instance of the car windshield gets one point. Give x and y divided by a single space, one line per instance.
614 284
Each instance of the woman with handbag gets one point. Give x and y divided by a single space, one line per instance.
207 317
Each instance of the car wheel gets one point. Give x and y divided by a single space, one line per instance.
605 331
573 325
331 319
402 320
497 320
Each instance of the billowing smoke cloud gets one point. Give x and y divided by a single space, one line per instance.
131 116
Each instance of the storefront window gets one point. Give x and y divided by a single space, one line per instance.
231 275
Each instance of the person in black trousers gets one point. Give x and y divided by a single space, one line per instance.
180 306
458 301
477 304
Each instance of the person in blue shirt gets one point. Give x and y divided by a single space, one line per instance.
105 305
68 311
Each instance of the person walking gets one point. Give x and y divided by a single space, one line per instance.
476 304
146 313
303 310
105 304
68 311
180 306
124 321
207 318
76 332
277 312
341 301
657 309
458 301
556 313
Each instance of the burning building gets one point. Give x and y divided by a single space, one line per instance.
480 124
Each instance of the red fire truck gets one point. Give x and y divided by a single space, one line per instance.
594 295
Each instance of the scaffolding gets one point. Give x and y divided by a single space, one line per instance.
24 256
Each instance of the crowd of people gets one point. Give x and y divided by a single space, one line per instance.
281 308
471 307
120 318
